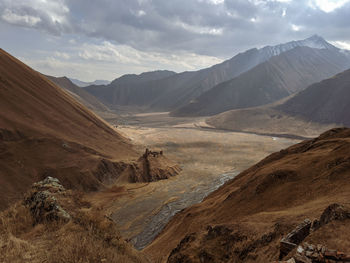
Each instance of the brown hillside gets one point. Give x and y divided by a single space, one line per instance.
44 131
244 220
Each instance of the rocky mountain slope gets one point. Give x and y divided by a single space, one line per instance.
245 220
79 94
130 90
325 102
279 77
171 91
319 107
44 131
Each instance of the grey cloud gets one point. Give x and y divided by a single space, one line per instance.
196 26
48 16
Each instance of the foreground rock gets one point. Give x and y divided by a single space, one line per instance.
43 203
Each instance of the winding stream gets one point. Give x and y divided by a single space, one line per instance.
156 223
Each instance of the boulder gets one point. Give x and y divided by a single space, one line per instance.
334 212
43 203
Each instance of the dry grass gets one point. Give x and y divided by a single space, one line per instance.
89 237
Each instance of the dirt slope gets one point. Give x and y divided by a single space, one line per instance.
44 131
244 220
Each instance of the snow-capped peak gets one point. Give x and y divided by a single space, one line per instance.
314 41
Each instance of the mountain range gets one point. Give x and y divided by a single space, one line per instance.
131 89
169 91
282 75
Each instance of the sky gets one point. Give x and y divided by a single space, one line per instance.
104 39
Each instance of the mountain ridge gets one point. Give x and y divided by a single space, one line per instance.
319 107
280 76
172 92
79 93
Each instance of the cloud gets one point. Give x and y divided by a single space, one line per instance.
62 55
205 27
341 44
134 35
49 15
13 18
327 5
122 54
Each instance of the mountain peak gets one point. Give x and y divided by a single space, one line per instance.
316 37
315 41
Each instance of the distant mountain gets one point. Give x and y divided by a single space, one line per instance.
83 84
319 107
169 92
79 94
325 102
279 77
130 89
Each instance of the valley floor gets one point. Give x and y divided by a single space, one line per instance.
208 158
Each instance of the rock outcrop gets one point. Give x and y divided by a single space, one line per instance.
294 238
334 212
152 166
43 202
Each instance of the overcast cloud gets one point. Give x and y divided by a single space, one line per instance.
103 39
